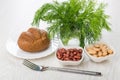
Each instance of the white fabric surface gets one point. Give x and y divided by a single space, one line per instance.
18 14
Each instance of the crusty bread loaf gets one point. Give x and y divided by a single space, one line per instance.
33 40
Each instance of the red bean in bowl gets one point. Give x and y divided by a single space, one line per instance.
71 54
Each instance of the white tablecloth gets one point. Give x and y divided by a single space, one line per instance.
17 14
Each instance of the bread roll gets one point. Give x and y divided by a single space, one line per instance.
33 40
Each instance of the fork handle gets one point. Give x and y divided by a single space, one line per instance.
75 71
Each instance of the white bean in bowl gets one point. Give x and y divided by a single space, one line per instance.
99 51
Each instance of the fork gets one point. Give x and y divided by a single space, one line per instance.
44 68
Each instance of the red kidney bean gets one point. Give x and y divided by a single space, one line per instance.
71 54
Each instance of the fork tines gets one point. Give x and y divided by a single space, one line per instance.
31 65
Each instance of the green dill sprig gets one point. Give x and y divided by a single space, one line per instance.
82 19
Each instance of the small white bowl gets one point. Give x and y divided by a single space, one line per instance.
70 62
99 59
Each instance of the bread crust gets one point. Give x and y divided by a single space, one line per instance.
33 40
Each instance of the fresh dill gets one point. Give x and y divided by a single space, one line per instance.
82 19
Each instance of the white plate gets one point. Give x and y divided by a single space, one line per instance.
13 49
